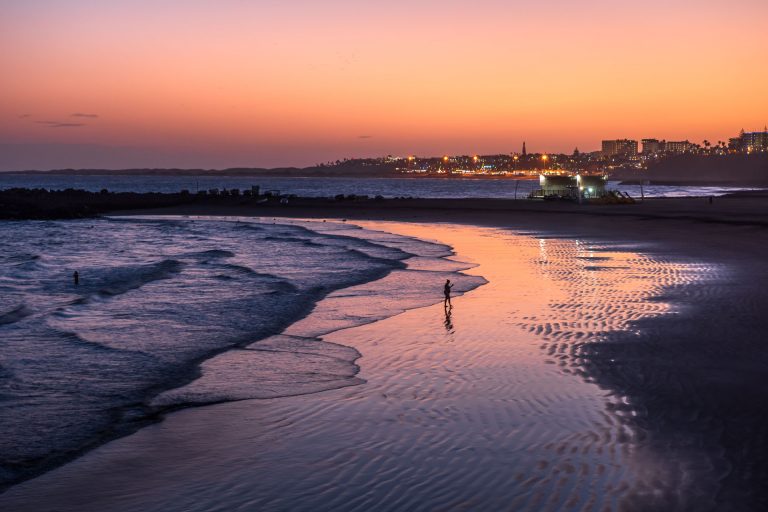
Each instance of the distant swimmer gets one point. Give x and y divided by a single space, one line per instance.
447 292
76 277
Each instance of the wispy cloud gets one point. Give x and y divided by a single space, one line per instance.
25 116
57 124
365 136
88 116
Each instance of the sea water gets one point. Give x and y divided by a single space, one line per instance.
434 188
84 363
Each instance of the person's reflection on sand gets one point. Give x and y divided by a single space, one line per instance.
448 322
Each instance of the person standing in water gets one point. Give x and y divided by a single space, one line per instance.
76 277
447 292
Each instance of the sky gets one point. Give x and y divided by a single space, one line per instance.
263 83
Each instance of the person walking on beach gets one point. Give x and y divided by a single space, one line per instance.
447 292
76 277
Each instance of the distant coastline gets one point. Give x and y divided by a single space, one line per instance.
308 172
682 170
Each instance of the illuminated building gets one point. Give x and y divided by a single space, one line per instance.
678 147
651 146
754 141
619 147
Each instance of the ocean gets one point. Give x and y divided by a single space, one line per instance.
329 187
81 364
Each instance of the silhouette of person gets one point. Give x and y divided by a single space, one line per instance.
76 277
447 292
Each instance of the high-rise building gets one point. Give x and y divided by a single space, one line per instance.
619 147
678 147
651 146
754 141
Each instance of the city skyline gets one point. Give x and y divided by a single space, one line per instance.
188 84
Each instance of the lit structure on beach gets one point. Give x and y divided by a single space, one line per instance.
573 187
591 186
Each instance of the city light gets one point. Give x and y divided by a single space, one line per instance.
615 156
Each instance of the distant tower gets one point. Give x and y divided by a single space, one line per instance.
576 152
525 153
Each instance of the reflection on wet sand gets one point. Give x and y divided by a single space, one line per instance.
448 319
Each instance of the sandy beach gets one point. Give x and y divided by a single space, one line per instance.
613 361
423 256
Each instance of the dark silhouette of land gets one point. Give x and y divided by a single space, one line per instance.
703 169
373 167
19 203
22 203
737 170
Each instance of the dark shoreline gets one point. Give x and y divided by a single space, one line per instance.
28 204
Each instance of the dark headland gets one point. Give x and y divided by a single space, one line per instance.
737 169
689 169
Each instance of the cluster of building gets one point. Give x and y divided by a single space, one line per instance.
746 142
626 148
513 164
614 154
750 142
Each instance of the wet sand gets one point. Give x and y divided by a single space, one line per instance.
699 376
565 383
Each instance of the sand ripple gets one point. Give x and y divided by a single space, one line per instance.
488 408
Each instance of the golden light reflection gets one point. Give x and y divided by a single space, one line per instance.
571 290
510 349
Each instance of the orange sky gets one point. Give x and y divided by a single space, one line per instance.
267 83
